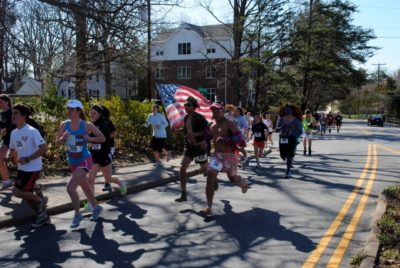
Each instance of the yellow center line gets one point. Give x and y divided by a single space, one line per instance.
323 243
344 242
393 151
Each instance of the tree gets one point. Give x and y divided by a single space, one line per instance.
324 44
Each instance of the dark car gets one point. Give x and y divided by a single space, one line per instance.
375 120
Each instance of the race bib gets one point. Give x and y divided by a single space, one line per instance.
215 164
71 140
96 146
74 149
284 140
20 145
257 134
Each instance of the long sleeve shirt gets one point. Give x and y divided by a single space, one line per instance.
159 123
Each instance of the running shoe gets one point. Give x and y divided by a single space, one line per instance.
123 188
7 184
41 220
288 175
76 220
96 212
182 198
107 187
207 212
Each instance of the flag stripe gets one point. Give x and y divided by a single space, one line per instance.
174 97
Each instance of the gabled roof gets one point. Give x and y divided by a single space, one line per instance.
30 87
208 31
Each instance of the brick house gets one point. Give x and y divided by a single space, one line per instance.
197 57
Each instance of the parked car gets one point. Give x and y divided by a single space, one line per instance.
375 120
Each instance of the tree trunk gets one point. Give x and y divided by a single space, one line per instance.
81 50
3 6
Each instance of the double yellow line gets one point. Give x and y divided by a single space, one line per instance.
337 256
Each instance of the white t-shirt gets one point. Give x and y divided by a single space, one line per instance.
26 141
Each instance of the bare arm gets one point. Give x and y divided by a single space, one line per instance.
98 136
62 136
40 152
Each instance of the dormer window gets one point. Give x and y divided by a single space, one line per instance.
210 50
184 49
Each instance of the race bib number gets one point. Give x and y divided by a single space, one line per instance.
214 164
284 140
74 149
20 145
96 146
257 135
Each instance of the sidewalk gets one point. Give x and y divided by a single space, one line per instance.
13 211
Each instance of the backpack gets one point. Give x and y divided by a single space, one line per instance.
35 124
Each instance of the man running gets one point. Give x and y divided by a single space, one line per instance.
330 118
27 146
338 120
195 126
226 138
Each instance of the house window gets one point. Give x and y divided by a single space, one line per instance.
210 50
69 95
211 94
159 52
159 73
95 93
210 72
184 49
184 72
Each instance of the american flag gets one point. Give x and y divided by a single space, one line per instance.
174 97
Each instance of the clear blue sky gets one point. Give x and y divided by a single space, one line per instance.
382 16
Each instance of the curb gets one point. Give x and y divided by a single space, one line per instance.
372 247
8 221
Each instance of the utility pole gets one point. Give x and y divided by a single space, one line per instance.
149 50
377 89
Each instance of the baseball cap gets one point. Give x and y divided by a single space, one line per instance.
217 106
74 104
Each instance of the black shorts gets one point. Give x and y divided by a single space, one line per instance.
25 181
287 149
157 144
102 160
338 123
195 151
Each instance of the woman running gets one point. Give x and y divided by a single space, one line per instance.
6 127
258 131
270 125
159 124
101 152
308 127
74 132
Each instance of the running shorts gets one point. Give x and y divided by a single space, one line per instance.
25 181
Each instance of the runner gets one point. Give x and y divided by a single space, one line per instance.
6 127
289 126
101 152
27 147
113 134
249 120
74 133
241 124
258 131
338 120
322 124
308 127
194 128
226 138
331 120
159 124
270 125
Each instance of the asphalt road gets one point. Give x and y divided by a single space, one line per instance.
320 217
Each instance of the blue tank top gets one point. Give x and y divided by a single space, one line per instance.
77 150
